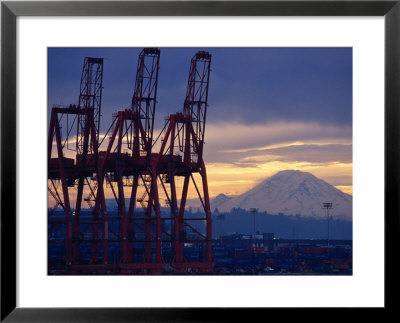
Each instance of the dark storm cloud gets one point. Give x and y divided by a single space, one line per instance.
313 84
247 85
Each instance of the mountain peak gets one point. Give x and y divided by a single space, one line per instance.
291 192
288 174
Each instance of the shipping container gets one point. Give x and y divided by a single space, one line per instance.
256 249
244 254
239 249
313 250
227 261
242 261
219 248
218 254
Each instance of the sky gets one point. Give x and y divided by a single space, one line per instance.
270 109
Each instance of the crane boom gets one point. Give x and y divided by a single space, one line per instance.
90 96
145 95
195 106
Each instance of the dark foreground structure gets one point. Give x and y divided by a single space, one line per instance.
132 171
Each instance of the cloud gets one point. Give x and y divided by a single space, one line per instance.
281 140
305 153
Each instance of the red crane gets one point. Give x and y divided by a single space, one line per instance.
128 156
65 173
184 134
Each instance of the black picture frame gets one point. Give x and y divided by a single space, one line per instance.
10 10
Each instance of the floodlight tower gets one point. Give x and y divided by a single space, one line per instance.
327 206
220 217
254 211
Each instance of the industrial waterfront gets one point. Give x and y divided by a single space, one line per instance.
234 254
150 229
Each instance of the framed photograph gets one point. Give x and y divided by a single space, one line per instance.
290 106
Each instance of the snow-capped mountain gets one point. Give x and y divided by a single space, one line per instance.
290 192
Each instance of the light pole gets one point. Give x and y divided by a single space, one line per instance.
327 206
254 211
220 217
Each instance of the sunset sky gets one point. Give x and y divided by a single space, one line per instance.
270 109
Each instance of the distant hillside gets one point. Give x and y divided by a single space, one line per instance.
283 226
